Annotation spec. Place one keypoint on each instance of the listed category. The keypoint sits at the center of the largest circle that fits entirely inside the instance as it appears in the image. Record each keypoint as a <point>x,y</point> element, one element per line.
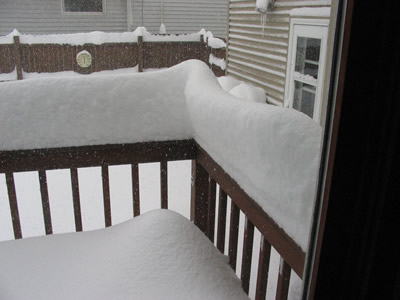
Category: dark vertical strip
<point>17,58</point>
<point>233,235</point>
<point>212,189</point>
<point>106,195</point>
<point>45,202</point>
<point>140,54</point>
<point>76,199</point>
<point>164,184</point>
<point>135,190</point>
<point>263,268</point>
<point>282,288</point>
<point>12,197</point>
<point>221,220</point>
<point>247,254</point>
<point>199,202</point>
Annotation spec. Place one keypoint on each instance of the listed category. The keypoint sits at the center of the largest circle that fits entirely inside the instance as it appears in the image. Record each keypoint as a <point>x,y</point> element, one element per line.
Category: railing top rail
<point>89,156</point>
<point>276,236</point>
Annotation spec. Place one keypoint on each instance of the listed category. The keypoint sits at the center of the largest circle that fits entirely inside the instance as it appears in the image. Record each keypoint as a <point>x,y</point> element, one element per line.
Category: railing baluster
<point>263,268</point>
<point>135,190</point>
<point>221,220</point>
<point>76,199</point>
<point>45,201</point>
<point>12,197</point>
<point>282,288</point>
<point>233,235</point>
<point>212,188</point>
<point>247,254</point>
<point>164,184</point>
<point>106,195</point>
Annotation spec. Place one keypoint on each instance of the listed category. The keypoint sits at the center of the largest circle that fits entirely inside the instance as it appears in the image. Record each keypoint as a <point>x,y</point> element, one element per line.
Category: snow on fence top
<point>99,38</point>
<point>272,152</point>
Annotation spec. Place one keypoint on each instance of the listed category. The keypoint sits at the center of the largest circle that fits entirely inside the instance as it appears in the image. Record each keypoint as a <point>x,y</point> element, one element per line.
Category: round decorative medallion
<point>84,59</point>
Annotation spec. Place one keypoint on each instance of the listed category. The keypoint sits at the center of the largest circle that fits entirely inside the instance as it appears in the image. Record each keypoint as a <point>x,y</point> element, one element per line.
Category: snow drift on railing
<point>272,152</point>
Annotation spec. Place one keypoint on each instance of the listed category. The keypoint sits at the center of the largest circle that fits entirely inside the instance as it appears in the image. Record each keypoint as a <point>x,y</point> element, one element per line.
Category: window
<point>83,6</point>
<point>306,66</point>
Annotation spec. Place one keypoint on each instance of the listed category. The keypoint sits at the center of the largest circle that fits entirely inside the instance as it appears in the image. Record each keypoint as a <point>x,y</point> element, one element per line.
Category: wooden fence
<point>49,58</point>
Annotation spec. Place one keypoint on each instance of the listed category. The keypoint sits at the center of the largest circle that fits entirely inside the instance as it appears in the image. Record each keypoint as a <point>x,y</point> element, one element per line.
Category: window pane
<point>307,56</point>
<point>304,98</point>
<point>83,5</point>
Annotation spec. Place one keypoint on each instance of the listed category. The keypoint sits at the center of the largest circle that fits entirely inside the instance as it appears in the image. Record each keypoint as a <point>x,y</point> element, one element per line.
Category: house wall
<point>45,16</point>
<point>260,56</point>
<point>180,16</point>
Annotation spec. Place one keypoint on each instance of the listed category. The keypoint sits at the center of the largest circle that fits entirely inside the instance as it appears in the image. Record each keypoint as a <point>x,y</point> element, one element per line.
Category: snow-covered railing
<point>206,175</point>
<point>244,148</point>
<point>23,53</point>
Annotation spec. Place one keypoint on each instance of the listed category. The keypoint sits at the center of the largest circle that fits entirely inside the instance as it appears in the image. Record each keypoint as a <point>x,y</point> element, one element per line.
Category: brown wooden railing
<point>49,58</point>
<point>207,175</point>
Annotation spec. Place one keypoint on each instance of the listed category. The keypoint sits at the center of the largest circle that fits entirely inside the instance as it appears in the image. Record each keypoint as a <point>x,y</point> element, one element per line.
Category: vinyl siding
<point>180,16</point>
<point>45,16</point>
<point>183,16</point>
<point>258,55</point>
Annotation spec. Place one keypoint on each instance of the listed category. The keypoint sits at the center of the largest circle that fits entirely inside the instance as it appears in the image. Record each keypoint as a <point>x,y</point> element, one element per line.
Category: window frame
<point>83,13</point>
<point>308,28</point>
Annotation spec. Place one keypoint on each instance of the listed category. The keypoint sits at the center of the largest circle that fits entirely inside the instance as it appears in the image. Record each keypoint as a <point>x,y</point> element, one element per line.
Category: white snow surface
<point>220,62</point>
<point>9,76</point>
<point>242,90</point>
<point>158,255</point>
<point>98,37</point>
<point>272,152</point>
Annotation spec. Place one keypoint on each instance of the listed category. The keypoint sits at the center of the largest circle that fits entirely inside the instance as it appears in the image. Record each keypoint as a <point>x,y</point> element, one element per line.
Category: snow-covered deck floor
<point>159,255</point>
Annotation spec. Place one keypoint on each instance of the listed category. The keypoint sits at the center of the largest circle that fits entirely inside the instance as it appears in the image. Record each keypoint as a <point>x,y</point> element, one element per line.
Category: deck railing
<point>206,176</point>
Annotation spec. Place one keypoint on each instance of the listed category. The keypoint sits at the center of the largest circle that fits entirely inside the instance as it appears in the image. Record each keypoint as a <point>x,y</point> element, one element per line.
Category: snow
<point>310,11</point>
<point>272,152</point>
<point>9,76</point>
<point>304,77</point>
<point>98,37</point>
<point>158,255</point>
<point>220,62</point>
<point>242,90</point>
<point>212,42</point>
<point>162,30</point>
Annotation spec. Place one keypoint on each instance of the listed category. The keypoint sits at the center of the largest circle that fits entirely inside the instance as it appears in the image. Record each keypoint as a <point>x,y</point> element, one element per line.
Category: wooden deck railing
<point>206,176</point>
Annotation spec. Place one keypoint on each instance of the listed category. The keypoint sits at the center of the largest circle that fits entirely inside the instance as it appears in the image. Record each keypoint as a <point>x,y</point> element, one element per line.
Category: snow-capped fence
<point>21,54</point>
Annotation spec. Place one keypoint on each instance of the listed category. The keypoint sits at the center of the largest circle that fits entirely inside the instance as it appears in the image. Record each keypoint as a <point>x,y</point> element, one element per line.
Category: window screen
<point>83,5</point>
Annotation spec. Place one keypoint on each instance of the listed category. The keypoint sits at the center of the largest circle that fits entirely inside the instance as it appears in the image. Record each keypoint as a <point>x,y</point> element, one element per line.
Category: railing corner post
<point>199,199</point>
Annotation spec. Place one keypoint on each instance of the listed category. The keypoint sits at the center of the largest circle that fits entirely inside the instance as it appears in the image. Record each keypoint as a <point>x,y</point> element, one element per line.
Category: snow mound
<point>272,152</point>
<point>242,90</point>
<point>158,255</point>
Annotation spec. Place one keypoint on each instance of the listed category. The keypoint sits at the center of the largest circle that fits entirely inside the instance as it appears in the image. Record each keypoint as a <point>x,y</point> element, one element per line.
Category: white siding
<point>182,16</point>
<point>45,16</point>
<point>261,57</point>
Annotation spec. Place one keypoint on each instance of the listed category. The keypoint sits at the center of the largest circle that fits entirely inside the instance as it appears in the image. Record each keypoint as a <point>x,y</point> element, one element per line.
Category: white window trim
<point>83,13</point>
<point>289,86</point>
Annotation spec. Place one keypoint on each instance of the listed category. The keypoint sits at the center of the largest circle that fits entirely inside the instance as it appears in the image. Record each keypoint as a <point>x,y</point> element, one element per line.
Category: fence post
<point>140,53</point>
<point>17,58</point>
